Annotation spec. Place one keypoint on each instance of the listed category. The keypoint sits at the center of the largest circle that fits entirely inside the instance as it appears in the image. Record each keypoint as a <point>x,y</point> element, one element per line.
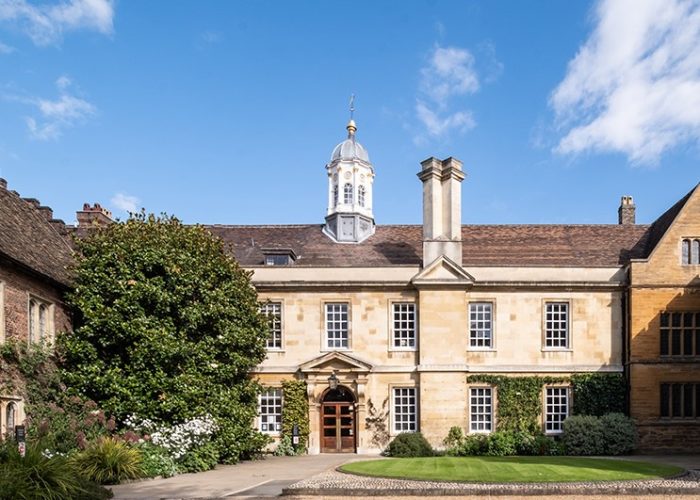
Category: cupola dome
<point>350,149</point>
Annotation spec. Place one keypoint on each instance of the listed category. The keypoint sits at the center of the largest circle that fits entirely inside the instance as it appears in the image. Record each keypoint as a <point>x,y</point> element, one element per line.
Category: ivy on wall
<point>598,394</point>
<point>295,410</point>
<point>520,398</point>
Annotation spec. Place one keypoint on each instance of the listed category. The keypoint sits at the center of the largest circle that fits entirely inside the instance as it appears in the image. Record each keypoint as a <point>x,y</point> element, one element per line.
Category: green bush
<point>156,461</point>
<point>471,445</point>
<point>409,444</point>
<point>38,476</point>
<point>502,444</point>
<point>454,438</point>
<point>619,434</point>
<point>598,393</point>
<point>201,458</point>
<point>109,461</point>
<point>583,435</point>
<point>285,448</point>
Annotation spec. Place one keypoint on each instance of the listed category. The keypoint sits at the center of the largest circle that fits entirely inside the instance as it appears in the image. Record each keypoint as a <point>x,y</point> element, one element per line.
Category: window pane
<point>557,324</point>
<point>337,326</point>
<point>480,324</point>
<point>405,414</point>
<point>665,400</point>
<point>556,408</point>
<point>270,410</point>
<point>676,400</point>
<point>664,342</point>
<point>688,342</point>
<point>688,400</point>
<point>685,246</point>
<point>273,310</point>
<point>404,325</point>
<point>480,417</point>
<point>676,342</point>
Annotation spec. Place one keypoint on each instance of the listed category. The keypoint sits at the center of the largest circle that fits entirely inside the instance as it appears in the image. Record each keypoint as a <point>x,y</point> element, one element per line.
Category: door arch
<point>338,431</point>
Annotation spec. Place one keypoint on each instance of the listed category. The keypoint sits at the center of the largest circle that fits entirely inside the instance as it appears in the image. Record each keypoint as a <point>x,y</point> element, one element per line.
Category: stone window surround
<point>693,331</point>
<point>270,388</point>
<point>5,400</point>
<point>569,322</point>
<point>480,300</point>
<point>323,326</point>
<point>569,401</point>
<point>281,302</point>
<point>2,312</point>
<point>392,410</point>
<point>690,255</point>
<point>50,311</point>
<point>494,395</point>
<point>390,316</point>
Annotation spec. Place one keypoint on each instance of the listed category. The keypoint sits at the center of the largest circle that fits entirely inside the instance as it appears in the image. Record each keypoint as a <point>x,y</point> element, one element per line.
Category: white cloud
<point>125,202</point>
<point>56,115</point>
<point>6,49</point>
<point>450,73</point>
<point>46,24</point>
<point>634,86</point>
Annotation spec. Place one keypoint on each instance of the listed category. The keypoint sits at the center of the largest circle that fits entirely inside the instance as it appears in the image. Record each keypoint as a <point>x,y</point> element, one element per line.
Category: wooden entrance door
<point>337,427</point>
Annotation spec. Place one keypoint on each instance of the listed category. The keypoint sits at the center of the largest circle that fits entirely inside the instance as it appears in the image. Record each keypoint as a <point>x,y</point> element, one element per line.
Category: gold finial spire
<point>352,128</point>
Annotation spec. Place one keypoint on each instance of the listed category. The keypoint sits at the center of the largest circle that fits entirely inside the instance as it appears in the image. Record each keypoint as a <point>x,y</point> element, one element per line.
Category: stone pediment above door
<point>335,361</point>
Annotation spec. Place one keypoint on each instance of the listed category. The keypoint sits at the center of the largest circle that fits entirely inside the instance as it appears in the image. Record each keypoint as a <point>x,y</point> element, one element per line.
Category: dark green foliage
<point>583,435</point>
<point>295,410</point>
<point>203,457</point>
<point>38,477</point>
<point>156,461</point>
<point>167,328</point>
<point>598,393</point>
<point>285,448</point>
<point>620,434</point>
<point>505,443</point>
<point>409,444</point>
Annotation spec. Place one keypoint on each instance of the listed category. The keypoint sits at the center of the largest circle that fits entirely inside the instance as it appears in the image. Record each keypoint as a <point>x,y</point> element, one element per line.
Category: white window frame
<point>348,194</point>
<point>361,195</point>
<point>337,329</point>
<point>482,398</point>
<point>553,408</point>
<point>480,330</point>
<point>403,332</point>
<point>556,325</point>
<point>274,415</point>
<point>276,323</point>
<point>410,424</point>
<point>34,307</point>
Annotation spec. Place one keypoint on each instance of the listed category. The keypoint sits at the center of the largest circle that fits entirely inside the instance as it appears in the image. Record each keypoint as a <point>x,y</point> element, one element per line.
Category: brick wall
<point>18,287</point>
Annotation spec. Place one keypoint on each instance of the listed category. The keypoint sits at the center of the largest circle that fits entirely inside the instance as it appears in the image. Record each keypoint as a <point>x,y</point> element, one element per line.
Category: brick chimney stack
<point>626,212</point>
<point>93,215</point>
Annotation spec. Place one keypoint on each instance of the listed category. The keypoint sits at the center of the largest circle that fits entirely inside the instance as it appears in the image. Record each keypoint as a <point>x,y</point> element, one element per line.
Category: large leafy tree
<point>167,327</point>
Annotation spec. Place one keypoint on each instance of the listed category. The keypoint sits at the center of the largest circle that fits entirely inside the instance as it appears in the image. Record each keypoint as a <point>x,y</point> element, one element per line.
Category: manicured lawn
<point>510,469</point>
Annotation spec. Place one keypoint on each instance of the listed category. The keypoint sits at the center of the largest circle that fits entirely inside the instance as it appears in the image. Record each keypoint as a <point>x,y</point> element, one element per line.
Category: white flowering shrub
<point>177,439</point>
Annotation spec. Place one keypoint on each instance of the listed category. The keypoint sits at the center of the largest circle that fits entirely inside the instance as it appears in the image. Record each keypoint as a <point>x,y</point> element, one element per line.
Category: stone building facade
<point>387,324</point>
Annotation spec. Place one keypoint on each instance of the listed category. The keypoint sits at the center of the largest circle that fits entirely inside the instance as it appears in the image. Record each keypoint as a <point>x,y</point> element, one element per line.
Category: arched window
<point>695,252</point>
<point>347,194</point>
<point>335,195</point>
<point>361,196</point>
<point>43,325</point>
<point>10,417</point>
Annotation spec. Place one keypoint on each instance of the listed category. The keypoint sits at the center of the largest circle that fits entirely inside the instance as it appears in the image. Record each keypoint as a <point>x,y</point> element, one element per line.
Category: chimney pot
<point>93,215</point>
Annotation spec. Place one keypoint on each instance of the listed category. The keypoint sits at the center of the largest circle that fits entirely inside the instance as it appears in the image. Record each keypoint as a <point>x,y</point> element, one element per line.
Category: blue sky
<point>226,112</point>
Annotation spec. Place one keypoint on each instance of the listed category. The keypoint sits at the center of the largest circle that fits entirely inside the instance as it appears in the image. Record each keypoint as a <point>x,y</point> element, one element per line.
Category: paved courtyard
<point>267,478</point>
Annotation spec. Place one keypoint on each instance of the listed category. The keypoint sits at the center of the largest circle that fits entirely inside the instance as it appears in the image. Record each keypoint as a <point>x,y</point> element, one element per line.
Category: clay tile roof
<point>30,239</point>
<point>484,245</point>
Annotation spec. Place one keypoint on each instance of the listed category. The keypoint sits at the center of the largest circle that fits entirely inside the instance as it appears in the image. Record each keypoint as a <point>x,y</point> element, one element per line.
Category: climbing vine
<point>520,398</point>
<point>295,410</point>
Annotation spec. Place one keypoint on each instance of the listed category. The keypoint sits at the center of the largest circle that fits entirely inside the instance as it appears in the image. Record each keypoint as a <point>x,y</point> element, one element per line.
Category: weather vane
<point>352,106</point>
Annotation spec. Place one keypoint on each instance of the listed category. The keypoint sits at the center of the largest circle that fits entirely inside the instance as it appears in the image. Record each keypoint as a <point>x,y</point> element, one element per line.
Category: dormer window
<point>690,251</point>
<point>279,256</point>
<point>347,194</point>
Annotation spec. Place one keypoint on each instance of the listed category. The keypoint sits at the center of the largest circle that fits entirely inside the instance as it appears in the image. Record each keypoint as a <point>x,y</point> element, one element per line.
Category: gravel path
<point>334,483</point>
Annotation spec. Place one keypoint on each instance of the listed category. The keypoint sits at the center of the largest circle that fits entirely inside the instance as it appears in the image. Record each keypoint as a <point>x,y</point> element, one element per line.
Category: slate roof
<point>661,225</point>
<point>483,245</point>
<point>29,238</point>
